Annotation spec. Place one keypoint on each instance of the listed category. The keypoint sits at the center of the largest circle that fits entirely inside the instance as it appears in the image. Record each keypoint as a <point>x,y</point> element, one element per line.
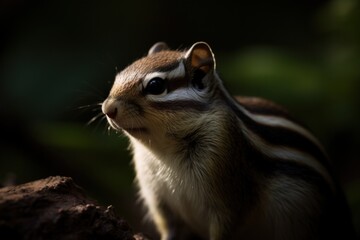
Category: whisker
<point>95,105</point>
<point>109,130</point>
<point>93,119</point>
<point>101,122</point>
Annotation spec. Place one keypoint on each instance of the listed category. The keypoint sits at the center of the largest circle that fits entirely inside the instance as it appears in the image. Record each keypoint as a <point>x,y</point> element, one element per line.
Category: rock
<point>56,208</point>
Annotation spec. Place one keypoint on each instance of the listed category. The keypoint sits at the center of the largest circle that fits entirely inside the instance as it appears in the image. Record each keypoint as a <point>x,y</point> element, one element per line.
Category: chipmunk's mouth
<point>130,129</point>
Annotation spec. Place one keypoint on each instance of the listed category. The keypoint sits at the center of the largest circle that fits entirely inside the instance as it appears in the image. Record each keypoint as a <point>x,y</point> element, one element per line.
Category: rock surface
<point>56,208</point>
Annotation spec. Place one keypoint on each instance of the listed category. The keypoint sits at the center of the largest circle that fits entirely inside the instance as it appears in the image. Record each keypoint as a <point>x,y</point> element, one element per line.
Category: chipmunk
<point>213,166</point>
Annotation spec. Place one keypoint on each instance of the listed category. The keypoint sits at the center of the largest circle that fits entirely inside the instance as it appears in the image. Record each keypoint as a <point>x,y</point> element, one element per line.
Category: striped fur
<point>218,167</point>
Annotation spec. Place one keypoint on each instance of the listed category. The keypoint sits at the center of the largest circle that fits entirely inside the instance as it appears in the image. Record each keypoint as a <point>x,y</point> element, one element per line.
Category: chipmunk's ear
<point>158,47</point>
<point>200,61</point>
<point>200,56</point>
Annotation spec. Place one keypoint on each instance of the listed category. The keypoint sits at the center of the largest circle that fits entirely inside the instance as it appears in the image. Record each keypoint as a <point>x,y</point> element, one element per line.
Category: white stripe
<point>178,72</point>
<point>275,121</point>
<point>286,153</point>
<point>180,94</point>
<point>187,94</point>
<point>281,152</point>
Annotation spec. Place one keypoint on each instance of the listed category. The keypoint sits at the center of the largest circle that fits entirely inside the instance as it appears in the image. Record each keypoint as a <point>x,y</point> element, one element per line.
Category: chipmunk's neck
<point>212,136</point>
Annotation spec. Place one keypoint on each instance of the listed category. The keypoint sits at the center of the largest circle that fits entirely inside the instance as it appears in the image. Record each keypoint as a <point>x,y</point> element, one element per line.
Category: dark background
<point>58,60</point>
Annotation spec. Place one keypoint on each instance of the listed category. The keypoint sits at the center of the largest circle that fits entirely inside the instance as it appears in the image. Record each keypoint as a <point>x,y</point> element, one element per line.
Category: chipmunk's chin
<point>135,131</point>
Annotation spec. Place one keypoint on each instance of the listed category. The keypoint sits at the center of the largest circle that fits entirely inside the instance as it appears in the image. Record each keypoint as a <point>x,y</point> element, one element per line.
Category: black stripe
<point>274,167</point>
<point>168,67</point>
<point>282,136</point>
<point>180,105</point>
<point>333,203</point>
<point>177,83</point>
<point>297,171</point>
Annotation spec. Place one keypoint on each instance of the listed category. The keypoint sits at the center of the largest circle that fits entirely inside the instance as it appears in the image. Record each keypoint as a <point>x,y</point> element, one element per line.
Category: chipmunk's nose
<point>109,108</point>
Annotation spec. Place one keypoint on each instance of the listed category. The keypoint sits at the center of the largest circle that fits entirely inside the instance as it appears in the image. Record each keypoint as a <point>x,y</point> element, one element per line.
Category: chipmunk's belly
<point>189,203</point>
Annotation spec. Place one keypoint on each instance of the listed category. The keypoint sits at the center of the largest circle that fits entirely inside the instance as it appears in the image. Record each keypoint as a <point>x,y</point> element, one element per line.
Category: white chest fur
<point>167,182</point>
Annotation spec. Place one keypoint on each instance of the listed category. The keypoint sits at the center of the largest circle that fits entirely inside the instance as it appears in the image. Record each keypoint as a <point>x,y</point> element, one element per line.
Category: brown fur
<point>213,168</point>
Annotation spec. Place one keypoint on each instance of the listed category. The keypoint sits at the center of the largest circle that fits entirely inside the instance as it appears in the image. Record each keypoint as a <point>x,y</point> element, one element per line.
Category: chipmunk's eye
<point>156,86</point>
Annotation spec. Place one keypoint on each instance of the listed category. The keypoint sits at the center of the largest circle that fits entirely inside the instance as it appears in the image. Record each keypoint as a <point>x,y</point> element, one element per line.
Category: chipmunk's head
<point>162,91</point>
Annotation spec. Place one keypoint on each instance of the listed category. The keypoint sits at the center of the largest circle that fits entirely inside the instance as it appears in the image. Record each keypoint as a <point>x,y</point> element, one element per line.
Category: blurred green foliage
<point>59,59</point>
